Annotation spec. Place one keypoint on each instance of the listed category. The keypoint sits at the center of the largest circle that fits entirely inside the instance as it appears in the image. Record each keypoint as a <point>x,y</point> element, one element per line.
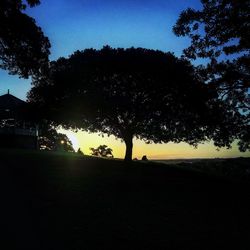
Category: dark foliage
<point>79,151</point>
<point>129,93</point>
<point>49,139</point>
<point>24,49</point>
<point>218,30</point>
<point>221,26</point>
<point>102,151</point>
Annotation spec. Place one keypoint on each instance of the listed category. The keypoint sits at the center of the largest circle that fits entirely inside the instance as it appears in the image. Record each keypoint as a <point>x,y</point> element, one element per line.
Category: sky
<point>78,24</point>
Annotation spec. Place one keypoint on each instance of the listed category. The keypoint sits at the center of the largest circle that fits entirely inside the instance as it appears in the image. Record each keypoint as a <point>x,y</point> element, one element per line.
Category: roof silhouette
<point>11,102</point>
<point>11,107</point>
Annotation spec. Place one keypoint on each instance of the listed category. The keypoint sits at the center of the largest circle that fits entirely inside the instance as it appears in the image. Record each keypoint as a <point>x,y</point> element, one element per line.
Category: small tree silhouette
<point>79,151</point>
<point>102,151</point>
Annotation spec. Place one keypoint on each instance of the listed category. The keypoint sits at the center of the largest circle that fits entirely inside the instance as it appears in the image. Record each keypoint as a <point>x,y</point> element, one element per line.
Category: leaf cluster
<point>102,151</point>
<point>50,139</point>
<point>221,26</point>
<point>24,49</point>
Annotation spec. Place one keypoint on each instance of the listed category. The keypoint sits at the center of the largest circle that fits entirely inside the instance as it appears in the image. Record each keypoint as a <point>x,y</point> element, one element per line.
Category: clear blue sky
<point>80,24</point>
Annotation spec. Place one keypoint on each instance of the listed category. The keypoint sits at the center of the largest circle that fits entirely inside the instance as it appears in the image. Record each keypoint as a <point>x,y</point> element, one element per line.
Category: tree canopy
<point>50,139</point>
<point>24,49</point>
<point>150,95</point>
<point>221,26</point>
<point>220,31</point>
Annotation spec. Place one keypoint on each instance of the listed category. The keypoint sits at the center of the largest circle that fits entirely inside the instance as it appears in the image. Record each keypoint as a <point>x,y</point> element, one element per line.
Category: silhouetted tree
<point>129,93</point>
<point>79,151</point>
<point>50,139</point>
<point>221,26</point>
<point>221,29</point>
<point>24,49</point>
<point>102,151</point>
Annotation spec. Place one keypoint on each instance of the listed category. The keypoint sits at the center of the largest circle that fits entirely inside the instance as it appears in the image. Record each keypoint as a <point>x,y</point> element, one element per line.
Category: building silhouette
<point>16,127</point>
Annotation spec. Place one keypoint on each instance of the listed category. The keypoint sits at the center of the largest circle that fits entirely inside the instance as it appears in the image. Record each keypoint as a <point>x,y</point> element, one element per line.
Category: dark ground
<point>53,201</point>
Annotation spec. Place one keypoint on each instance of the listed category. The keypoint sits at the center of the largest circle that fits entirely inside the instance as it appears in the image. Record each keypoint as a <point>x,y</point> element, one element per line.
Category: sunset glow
<point>85,140</point>
<point>77,25</point>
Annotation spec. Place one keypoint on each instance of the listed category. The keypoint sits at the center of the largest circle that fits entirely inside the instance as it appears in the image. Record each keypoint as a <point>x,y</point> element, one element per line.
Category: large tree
<point>220,32</point>
<point>150,95</point>
<point>24,49</point>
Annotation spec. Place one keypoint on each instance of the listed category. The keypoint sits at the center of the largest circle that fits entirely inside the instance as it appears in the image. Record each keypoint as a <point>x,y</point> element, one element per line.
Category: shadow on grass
<point>65,201</point>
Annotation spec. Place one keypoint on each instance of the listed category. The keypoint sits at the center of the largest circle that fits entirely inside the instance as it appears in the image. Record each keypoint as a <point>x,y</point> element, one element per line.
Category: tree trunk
<point>129,148</point>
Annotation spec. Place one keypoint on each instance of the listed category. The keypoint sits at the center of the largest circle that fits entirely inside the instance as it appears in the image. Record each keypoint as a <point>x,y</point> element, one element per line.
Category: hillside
<point>57,201</point>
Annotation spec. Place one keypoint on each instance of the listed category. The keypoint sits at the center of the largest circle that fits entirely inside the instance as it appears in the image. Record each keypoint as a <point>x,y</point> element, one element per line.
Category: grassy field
<point>63,201</point>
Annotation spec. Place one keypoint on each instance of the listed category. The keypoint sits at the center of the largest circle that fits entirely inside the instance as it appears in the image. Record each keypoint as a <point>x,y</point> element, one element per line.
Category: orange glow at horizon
<point>85,140</point>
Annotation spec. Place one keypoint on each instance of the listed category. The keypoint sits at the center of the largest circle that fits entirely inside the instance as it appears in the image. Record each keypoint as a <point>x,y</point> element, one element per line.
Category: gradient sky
<point>79,24</point>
